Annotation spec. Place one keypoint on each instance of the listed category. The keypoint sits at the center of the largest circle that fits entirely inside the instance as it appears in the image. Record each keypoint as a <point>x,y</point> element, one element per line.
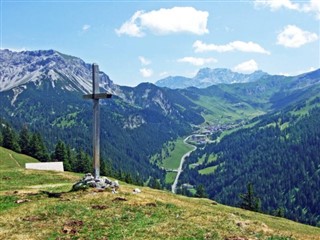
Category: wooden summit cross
<point>95,96</point>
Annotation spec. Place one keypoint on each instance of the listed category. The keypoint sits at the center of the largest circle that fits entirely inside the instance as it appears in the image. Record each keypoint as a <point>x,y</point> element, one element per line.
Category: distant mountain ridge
<point>20,68</point>
<point>207,77</point>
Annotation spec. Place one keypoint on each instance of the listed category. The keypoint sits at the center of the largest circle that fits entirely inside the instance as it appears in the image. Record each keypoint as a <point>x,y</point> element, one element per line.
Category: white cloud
<point>313,6</point>
<point>284,74</point>
<point>86,27</point>
<point>130,27</point>
<point>241,46</point>
<point>246,67</point>
<point>197,61</point>
<point>144,61</point>
<point>166,21</point>
<point>146,72</point>
<point>203,47</point>
<point>311,69</point>
<point>276,4</point>
<point>294,37</point>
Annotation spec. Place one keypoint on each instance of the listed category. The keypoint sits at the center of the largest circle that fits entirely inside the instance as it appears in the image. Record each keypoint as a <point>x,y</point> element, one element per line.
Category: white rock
<point>136,190</point>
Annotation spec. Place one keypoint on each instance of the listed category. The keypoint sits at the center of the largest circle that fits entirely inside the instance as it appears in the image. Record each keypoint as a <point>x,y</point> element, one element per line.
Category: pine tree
<point>10,139</point>
<point>68,164</point>
<point>279,212</point>
<point>128,178</point>
<point>38,149</point>
<point>24,140</point>
<point>87,164</point>
<point>249,200</point>
<point>83,163</point>
<point>154,183</point>
<point>7,137</point>
<point>105,169</point>
<point>200,191</point>
<point>60,155</point>
<point>120,174</point>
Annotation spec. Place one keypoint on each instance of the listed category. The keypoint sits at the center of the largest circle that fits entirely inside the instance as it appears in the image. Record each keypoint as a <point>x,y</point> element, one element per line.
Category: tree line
<point>74,160</point>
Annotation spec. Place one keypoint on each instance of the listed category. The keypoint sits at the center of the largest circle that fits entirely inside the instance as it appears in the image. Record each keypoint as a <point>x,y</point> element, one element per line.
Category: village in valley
<point>209,132</point>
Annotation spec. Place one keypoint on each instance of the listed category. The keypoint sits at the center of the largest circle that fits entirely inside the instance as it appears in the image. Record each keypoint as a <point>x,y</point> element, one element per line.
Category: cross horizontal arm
<point>97,96</point>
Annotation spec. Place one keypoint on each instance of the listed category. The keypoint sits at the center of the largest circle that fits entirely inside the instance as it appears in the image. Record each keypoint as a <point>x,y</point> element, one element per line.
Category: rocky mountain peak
<point>206,77</point>
<point>17,69</point>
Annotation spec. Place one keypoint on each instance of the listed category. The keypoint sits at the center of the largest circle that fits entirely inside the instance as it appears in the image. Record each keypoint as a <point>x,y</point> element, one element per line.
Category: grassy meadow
<point>26,212</point>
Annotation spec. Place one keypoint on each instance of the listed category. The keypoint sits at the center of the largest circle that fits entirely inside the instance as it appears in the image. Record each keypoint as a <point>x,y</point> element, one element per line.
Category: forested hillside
<point>279,155</point>
<point>128,124</point>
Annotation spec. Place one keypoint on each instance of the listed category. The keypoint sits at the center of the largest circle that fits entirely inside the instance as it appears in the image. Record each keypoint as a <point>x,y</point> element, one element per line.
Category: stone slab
<point>52,166</point>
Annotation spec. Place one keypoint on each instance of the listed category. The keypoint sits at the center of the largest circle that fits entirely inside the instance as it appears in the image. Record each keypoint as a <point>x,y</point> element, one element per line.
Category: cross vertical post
<point>96,121</point>
<point>95,96</point>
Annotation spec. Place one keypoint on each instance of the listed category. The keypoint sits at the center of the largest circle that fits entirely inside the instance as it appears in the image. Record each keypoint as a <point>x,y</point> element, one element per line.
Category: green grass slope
<point>13,176</point>
<point>11,159</point>
<point>151,214</point>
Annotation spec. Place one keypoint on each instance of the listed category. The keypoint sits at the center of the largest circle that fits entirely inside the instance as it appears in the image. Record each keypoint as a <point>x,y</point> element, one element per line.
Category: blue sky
<point>144,41</point>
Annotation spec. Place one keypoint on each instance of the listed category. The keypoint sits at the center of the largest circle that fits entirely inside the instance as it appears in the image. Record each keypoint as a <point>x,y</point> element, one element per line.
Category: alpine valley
<point>250,131</point>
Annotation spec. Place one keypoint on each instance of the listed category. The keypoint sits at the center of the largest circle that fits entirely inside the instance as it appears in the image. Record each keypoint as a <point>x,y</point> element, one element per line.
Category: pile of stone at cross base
<point>101,183</point>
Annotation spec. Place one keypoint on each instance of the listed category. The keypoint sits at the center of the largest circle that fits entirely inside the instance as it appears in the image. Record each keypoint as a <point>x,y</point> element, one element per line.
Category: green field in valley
<point>170,177</point>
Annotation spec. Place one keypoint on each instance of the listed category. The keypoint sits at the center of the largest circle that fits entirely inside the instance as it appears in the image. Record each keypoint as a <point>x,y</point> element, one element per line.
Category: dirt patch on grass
<point>72,227</point>
<point>99,207</point>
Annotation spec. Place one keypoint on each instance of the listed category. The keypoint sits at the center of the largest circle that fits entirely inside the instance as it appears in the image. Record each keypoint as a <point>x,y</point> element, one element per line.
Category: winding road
<point>179,170</point>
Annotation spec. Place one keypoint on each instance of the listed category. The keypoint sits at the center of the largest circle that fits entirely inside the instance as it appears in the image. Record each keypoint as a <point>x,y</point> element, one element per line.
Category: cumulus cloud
<point>294,37</point>
<point>144,61</point>
<point>86,27</point>
<point>199,46</point>
<point>313,6</point>
<point>130,27</point>
<point>166,21</point>
<point>246,67</point>
<point>146,72</point>
<point>197,61</point>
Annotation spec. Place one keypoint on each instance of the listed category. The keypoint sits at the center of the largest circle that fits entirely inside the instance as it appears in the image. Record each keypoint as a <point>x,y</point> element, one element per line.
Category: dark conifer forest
<point>279,156</point>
